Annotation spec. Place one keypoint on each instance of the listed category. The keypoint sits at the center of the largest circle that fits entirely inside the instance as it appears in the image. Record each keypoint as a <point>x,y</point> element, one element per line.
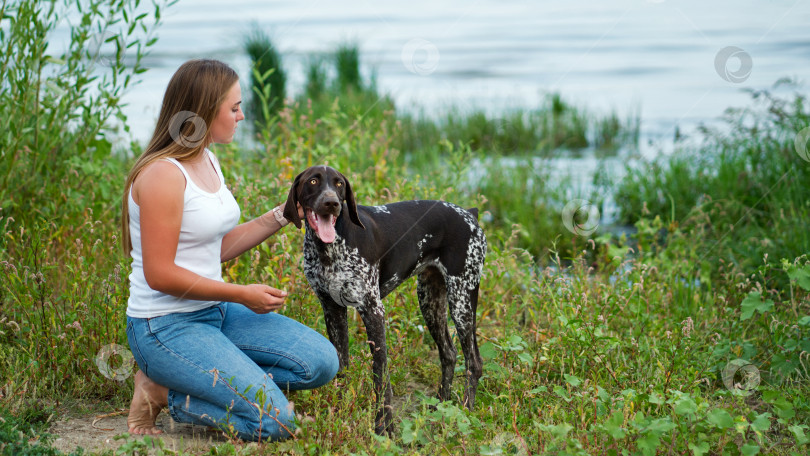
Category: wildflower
<point>688,327</point>
<point>77,326</point>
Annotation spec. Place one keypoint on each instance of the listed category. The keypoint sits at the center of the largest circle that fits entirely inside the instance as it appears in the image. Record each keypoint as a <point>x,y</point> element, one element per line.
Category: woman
<point>210,351</point>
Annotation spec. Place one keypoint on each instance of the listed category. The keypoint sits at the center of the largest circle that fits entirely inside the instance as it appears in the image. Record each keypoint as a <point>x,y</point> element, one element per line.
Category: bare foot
<point>147,401</point>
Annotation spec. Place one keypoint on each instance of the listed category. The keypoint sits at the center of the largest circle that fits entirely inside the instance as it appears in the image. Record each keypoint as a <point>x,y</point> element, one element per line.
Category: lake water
<point>656,57</point>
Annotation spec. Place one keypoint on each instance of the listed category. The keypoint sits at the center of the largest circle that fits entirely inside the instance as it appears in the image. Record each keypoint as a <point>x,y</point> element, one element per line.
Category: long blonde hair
<point>191,103</point>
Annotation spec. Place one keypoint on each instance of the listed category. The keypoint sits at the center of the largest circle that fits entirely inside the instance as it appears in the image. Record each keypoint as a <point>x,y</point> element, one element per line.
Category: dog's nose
<point>331,203</point>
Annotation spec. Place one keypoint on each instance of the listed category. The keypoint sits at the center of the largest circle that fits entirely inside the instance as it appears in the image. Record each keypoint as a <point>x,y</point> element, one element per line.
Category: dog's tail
<point>473,211</point>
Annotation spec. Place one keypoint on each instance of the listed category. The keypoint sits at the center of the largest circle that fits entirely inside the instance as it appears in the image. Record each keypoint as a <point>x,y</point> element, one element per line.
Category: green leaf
<point>557,430</point>
<point>685,406</point>
<point>749,449</point>
<point>720,419</point>
<point>488,350</point>
<point>613,425</point>
<point>753,302</point>
<point>56,60</point>
<point>648,443</point>
<point>409,434</point>
<point>798,432</point>
<point>801,275</point>
<point>661,425</point>
<point>572,380</point>
<point>699,449</point>
<point>784,408</point>
<point>526,358</point>
<point>560,391</point>
<point>761,423</point>
<point>561,430</point>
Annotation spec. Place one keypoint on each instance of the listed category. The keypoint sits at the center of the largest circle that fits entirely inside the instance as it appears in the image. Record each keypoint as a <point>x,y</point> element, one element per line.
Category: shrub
<point>56,110</point>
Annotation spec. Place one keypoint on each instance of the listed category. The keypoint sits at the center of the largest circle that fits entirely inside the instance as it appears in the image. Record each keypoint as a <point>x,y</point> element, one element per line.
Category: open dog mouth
<point>323,225</point>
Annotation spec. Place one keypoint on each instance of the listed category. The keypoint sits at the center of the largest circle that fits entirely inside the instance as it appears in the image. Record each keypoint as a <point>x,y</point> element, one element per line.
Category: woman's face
<point>230,113</point>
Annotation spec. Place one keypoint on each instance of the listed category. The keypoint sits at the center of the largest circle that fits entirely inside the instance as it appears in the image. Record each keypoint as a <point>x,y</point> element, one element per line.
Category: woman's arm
<point>158,190</point>
<point>250,234</point>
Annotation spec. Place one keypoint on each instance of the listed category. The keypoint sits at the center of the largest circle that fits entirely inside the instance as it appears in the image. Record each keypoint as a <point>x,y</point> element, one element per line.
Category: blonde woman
<point>208,350</point>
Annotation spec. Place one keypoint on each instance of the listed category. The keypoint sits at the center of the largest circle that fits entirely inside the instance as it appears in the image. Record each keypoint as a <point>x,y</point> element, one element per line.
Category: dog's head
<point>321,190</point>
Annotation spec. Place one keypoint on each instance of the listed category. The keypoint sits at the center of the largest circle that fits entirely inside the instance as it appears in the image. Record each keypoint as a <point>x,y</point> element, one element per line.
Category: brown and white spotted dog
<point>355,255</point>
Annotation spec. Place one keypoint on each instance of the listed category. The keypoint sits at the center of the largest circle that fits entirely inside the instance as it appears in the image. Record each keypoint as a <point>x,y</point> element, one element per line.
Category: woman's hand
<point>263,299</point>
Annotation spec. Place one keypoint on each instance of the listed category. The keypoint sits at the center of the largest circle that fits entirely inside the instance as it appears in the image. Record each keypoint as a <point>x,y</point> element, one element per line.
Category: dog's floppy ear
<point>291,206</point>
<point>352,205</point>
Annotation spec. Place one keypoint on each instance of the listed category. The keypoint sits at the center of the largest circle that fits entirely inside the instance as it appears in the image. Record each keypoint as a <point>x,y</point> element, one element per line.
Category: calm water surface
<point>654,57</point>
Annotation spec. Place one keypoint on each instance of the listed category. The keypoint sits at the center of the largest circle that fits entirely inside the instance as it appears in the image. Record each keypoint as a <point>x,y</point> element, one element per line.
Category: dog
<point>354,256</point>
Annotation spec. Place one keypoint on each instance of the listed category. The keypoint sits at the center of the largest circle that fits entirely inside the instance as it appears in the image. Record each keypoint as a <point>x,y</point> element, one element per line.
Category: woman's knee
<point>324,368</point>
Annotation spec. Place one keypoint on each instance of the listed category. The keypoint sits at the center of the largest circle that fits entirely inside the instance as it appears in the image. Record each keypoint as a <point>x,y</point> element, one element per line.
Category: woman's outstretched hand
<point>263,299</point>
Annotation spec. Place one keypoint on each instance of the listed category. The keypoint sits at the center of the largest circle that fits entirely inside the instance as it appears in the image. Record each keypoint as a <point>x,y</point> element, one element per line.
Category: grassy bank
<point>678,339</point>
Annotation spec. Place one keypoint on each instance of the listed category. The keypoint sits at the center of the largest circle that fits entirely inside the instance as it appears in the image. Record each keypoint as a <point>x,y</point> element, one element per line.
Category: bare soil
<point>96,433</point>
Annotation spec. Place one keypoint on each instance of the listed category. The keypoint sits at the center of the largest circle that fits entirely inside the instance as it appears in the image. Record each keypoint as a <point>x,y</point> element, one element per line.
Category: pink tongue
<point>325,227</point>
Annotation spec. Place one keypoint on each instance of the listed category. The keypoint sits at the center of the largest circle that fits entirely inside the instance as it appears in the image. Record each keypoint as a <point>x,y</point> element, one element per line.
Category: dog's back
<point>405,237</point>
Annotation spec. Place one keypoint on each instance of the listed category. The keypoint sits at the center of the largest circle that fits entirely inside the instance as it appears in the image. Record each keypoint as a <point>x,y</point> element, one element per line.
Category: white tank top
<point>207,217</point>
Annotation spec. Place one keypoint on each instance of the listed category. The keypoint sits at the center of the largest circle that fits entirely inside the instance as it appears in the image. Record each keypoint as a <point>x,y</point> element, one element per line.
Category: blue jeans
<point>221,362</point>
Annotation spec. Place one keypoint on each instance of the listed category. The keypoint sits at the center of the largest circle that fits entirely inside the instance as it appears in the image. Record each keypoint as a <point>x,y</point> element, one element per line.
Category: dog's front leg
<point>373,315</point>
<point>337,327</point>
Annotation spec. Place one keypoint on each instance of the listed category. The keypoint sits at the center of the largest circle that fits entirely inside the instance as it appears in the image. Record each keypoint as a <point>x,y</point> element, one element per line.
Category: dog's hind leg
<point>432,293</point>
<point>463,303</point>
<point>373,315</point>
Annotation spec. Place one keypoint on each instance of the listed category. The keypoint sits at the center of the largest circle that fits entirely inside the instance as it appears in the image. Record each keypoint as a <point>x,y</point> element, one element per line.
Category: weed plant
<point>747,176</point>
<point>268,80</point>
<point>660,343</point>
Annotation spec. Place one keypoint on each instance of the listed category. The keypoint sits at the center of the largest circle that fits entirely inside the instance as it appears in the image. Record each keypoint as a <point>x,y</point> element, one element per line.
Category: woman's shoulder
<point>162,169</point>
<point>160,176</point>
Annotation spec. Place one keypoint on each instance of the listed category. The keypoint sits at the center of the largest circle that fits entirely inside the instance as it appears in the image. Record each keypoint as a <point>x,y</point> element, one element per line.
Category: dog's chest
<point>341,272</point>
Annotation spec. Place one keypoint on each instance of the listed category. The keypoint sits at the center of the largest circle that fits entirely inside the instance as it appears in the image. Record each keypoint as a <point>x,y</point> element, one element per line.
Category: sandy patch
<point>97,433</point>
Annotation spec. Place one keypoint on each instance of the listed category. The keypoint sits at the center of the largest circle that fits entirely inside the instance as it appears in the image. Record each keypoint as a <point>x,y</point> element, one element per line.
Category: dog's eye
<point>339,184</point>
<point>313,181</point>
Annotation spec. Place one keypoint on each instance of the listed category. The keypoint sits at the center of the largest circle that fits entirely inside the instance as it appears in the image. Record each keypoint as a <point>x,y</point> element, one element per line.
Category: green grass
<point>591,345</point>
